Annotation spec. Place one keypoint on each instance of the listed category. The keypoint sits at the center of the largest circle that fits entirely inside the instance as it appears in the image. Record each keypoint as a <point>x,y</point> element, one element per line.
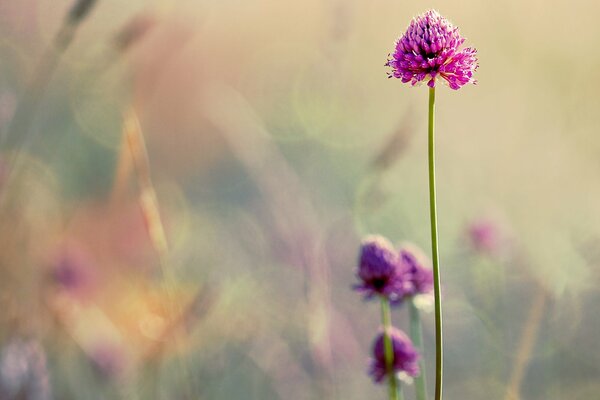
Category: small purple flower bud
<point>429,49</point>
<point>379,270</point>
<point>405,359</point>
<point>418,267</point>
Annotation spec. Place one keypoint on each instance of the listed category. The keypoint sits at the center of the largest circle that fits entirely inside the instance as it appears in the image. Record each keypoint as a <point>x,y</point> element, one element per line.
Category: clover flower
<point>405,359</point>
<point>430,49</point>
<point>380,270</point>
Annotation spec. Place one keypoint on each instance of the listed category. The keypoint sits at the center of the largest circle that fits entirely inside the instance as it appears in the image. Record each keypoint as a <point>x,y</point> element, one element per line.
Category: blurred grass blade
<point>80,10</point>
<point>18,131</point>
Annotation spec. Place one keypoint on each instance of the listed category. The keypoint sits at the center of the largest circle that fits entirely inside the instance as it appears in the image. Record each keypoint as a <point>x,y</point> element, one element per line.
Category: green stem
<point>386,318</point>
<point>434,251</point>
<point>416,335</point>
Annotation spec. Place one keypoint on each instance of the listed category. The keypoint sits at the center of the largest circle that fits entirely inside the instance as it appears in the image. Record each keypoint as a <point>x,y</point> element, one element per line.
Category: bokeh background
<point>275,142</point>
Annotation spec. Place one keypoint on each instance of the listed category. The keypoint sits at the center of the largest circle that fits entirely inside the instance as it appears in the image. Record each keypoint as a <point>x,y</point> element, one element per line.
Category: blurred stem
<point>18,132</point>
<point>526,344</point>
<point>386,318</point>
<point>148,201</point>
<point>416,335</point>
<point>122,172</point>
<point>434,250</point>
<point>134,138</point>
<point>20,125</point>
<point>400,393</point>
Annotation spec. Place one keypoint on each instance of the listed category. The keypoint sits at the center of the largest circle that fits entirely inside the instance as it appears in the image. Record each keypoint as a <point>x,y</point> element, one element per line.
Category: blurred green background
<point>275,143</point>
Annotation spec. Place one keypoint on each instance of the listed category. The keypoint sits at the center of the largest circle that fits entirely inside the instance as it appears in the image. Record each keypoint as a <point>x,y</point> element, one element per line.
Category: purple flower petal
<point>405,358</point>
<point>429,49</point>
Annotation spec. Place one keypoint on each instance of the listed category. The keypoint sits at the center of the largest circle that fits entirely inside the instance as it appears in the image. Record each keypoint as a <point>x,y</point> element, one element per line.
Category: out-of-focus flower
<point>380,270</point>
<point>419,272</point>
<point>72,271</point>
<point>429,49</point>
<point>405,360</point>
<point>484,236</point>
<point>23,371</point>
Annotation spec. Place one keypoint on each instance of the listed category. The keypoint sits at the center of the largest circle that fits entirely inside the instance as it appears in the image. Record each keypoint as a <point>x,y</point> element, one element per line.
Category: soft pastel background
<point>276,142</point>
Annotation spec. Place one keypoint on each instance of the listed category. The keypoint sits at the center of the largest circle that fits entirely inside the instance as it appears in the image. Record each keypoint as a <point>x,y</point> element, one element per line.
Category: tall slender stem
<point>434,251</point>
<point>416,335</point>
<point>386,318</point>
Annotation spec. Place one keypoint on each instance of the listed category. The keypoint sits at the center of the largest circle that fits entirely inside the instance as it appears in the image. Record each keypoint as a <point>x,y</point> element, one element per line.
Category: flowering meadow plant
<point>396,276</point>
<point>405,356</point>
<point>428,51</point>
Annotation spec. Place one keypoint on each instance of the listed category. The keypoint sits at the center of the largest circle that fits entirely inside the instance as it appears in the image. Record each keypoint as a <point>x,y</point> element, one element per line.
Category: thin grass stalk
<point>526,344</point>
<point>18,131</point>
<point>149,204</point>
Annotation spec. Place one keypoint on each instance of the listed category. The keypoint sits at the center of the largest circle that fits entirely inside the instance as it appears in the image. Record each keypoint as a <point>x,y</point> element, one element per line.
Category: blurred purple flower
<point>429,49</point>
<point>71,271</point>
<point>380,270</point>
<point>417,265</point>
<point>23,371</point>
<point>484,236</point>
<point>405,359</point>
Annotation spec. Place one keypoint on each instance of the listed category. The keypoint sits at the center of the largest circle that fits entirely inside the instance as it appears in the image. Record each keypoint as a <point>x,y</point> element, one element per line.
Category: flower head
<point>380,270</point>
<point>429,49</point>
<point>405,359</point>
<point>417,265</point>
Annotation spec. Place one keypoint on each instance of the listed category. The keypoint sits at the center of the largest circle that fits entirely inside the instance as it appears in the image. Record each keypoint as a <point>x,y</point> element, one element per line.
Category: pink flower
<point>380,271</point>
<point>418,266</point>
<point>485,236</point>
<point>429,50</point>
<point>405,356</point>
